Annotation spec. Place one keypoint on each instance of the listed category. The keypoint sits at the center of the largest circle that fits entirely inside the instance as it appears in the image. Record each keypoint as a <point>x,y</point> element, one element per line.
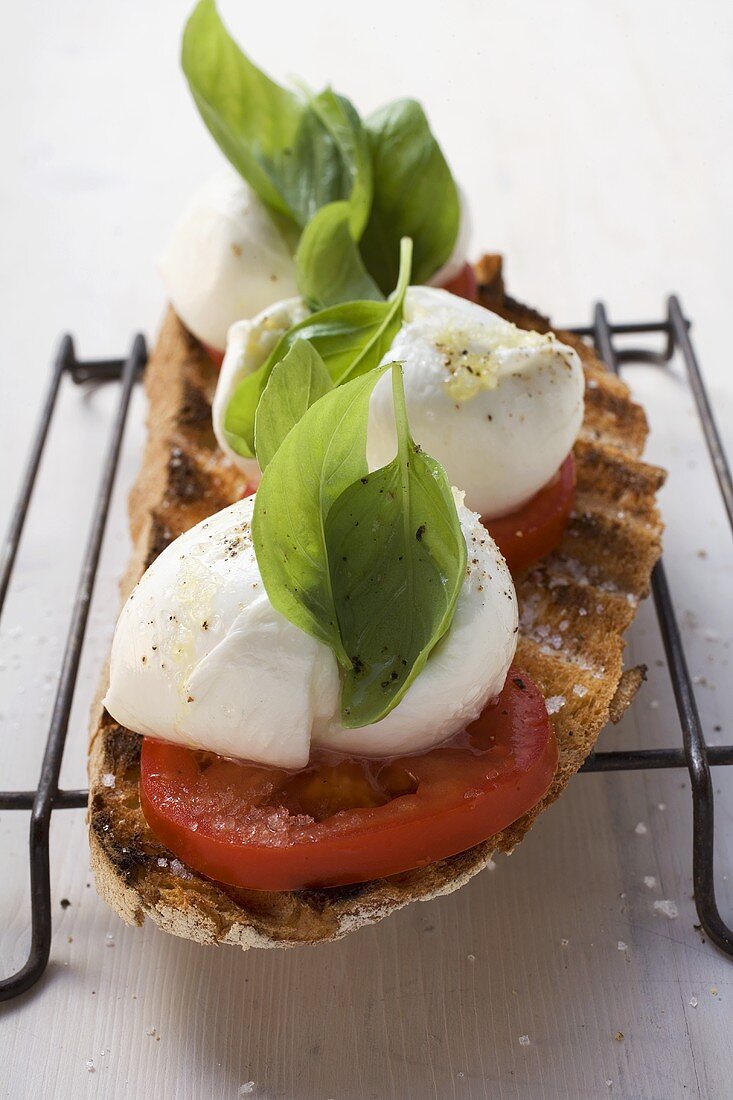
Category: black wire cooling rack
<point>693,753</point>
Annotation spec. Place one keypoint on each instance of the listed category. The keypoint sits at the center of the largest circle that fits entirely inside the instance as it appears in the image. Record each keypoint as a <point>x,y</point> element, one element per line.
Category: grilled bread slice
<point>574,608</point>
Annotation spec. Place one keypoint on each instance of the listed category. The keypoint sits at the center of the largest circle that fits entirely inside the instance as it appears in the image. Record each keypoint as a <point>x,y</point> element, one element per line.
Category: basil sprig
<point>351,339</point>
<point>303,152</point>
<point>370,564</point>
<point>296,154</point>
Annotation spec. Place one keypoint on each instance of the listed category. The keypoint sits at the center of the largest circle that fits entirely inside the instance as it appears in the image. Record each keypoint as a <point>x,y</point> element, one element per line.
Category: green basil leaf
<point>342,121</point>
<point>295,384</point>
<point>277,141</point>
<point>322,454</point>
<point>398,559</point>
<point>351,338</point>
<point>338,334</point>
<point>414,195</point>
<point>329,265</point>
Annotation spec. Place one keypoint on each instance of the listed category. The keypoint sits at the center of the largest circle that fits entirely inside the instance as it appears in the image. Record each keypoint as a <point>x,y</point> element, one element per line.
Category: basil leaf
<point>277,141</point>
<point>321,455</point>
<point>414,195</point>
<point>295,384</point>
<point>342,121</point>
<point>351,338</point>
<point>398,559</point>
<point>329,265</point>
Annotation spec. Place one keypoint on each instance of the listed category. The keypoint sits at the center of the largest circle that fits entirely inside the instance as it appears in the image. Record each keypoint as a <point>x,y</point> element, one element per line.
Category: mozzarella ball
<point>201,658</point>
<point>228,258</point>
<point>248,346</point>
<point>498,406</point>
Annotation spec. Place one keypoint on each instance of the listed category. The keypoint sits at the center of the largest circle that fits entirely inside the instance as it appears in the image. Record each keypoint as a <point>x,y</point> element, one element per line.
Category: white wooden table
<point>594,142</point>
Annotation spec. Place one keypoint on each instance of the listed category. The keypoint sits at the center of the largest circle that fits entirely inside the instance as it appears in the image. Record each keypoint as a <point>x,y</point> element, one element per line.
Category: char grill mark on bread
<point>574,607</point>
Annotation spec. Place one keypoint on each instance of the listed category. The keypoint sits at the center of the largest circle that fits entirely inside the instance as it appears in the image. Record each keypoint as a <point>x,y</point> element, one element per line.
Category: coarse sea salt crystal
<point>622,946</point>
<point>555,703</point>
<point>564,943</point>
<point>524,1040</point>
<point>580,690</point>
<point>692,1002</point>
<point>108,779</point>
<point>650,881</point>
<point>640,829</point>
<point>179,869</point>
<point>89,1065</point>
<point>247,1088</point>
<point>669,908</point>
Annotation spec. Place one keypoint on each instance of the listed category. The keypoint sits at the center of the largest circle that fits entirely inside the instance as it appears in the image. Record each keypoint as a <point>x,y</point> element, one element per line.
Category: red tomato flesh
<point>216,356</point>
<point>463,284</point>
<point>537,527</point>
<point>345,820</point>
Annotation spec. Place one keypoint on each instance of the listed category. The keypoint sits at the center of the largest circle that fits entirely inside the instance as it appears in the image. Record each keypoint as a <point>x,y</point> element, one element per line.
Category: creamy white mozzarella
<point>200,657</point>
<point>499,407</point>
<point>227,259</point>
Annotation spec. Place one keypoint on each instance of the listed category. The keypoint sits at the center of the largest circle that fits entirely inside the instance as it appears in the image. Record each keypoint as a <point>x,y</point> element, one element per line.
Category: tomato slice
<point>463,284</point>
<point>346,819</point>
<point>537,527</point>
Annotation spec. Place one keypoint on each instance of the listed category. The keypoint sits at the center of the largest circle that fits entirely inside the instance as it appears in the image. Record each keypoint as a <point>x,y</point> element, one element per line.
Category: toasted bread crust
<point>574,609</point>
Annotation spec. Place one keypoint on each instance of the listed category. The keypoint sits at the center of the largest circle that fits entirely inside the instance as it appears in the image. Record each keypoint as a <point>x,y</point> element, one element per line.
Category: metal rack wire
<point>694,753</point>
